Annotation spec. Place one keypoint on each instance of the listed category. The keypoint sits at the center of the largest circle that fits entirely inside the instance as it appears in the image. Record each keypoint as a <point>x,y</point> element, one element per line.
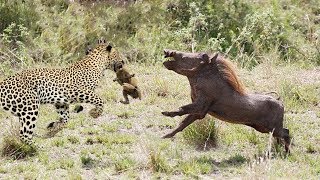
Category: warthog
<point>216,90</point>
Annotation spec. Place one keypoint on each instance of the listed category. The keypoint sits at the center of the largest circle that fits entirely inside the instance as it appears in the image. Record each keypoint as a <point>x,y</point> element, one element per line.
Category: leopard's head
<point>105,53</point>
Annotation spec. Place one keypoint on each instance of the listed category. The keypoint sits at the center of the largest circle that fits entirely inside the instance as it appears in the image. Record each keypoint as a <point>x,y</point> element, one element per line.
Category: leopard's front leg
<point>88,96</point>
<point>63,111</point>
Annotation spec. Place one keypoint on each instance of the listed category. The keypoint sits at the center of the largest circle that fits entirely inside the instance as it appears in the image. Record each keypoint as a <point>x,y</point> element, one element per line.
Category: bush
<point>202,133</point>
<point>238,27</point>
<point>18,12</point>
<point>242,29</point>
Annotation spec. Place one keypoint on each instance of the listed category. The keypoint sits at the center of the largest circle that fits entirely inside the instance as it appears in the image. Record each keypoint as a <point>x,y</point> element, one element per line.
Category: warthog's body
<point>216,90</point>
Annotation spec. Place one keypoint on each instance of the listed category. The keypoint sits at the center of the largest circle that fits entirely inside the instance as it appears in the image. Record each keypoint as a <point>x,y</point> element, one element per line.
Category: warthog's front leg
<point>186,122</point>
<point>199,107</point>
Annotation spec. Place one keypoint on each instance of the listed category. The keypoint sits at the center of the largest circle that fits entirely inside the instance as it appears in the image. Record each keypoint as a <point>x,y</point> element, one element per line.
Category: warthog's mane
<point>228,73</point>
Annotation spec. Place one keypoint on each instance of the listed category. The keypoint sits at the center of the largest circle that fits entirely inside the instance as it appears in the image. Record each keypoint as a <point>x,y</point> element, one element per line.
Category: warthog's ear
<point>214,57</point>
<point>169,53</point>
<point>205,58</point>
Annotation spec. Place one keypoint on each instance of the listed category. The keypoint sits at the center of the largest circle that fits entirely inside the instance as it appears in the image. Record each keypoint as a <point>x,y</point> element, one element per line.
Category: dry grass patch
<point>14,148</point>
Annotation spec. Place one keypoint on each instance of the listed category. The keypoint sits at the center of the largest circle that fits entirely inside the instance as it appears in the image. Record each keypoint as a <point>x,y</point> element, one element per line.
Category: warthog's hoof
<point>166,113</point>
<point>167,136</point>
<point>124,102</point>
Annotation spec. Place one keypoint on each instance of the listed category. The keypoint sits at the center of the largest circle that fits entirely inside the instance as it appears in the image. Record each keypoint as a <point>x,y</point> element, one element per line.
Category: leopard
<point>23,93</point>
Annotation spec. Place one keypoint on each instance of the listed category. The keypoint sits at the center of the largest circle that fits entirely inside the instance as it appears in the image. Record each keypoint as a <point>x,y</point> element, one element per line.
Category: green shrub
<point>242,29</point>
<point>18,12</point>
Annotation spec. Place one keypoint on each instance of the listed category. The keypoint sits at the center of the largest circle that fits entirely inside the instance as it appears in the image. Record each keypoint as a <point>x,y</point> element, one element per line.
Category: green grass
<point>130,146</point>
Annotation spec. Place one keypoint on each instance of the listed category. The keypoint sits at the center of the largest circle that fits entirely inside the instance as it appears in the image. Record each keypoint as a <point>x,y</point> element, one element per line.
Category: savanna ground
<point>275,45</point>
<point>125,142</point>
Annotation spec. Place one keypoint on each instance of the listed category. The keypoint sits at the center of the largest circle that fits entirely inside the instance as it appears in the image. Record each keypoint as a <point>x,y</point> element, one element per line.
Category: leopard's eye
<point>109,47</point>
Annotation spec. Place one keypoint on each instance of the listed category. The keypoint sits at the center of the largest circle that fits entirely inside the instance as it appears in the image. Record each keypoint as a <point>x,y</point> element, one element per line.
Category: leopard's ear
<point>109,47</point>
<point>88,50</point>
<point>102,41</point>
<point>115,67</point>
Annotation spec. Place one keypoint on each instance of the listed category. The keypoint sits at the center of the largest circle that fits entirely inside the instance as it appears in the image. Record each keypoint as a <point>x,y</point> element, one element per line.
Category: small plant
<point>13,147</point>
<point>91,131</point>
<point>66,163</point>
<point>90,141</point>
<point>202,133</point>
<point>115,139</point>
<point>59,142</point>
<point>125,114</point>
<point>75,176</point>
<point>311,149</point>
<point>162,88</point>
<point>298,97</point>
<point>253,137</point>
<point>158,163</point>
<point>236,160</point>
<point>87,160</point>
<point>123,163</point>
<point>3,170</point>
<point>73,139</point>
<point>110,127</point>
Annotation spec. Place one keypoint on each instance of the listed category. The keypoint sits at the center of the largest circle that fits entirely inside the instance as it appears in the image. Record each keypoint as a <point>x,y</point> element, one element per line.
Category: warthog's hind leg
<point>287,139</point>
<point>283,134</point>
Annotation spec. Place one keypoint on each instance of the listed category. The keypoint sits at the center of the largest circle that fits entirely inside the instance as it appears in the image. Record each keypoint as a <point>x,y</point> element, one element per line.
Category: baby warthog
<point>128,82</point>
<point>216,90</point>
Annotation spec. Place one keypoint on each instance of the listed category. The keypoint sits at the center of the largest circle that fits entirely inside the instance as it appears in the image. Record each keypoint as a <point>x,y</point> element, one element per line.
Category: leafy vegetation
<point>57,31</point>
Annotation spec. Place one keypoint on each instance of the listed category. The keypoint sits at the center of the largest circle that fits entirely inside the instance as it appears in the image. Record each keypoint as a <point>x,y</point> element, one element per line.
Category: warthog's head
<point>187,64</point>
